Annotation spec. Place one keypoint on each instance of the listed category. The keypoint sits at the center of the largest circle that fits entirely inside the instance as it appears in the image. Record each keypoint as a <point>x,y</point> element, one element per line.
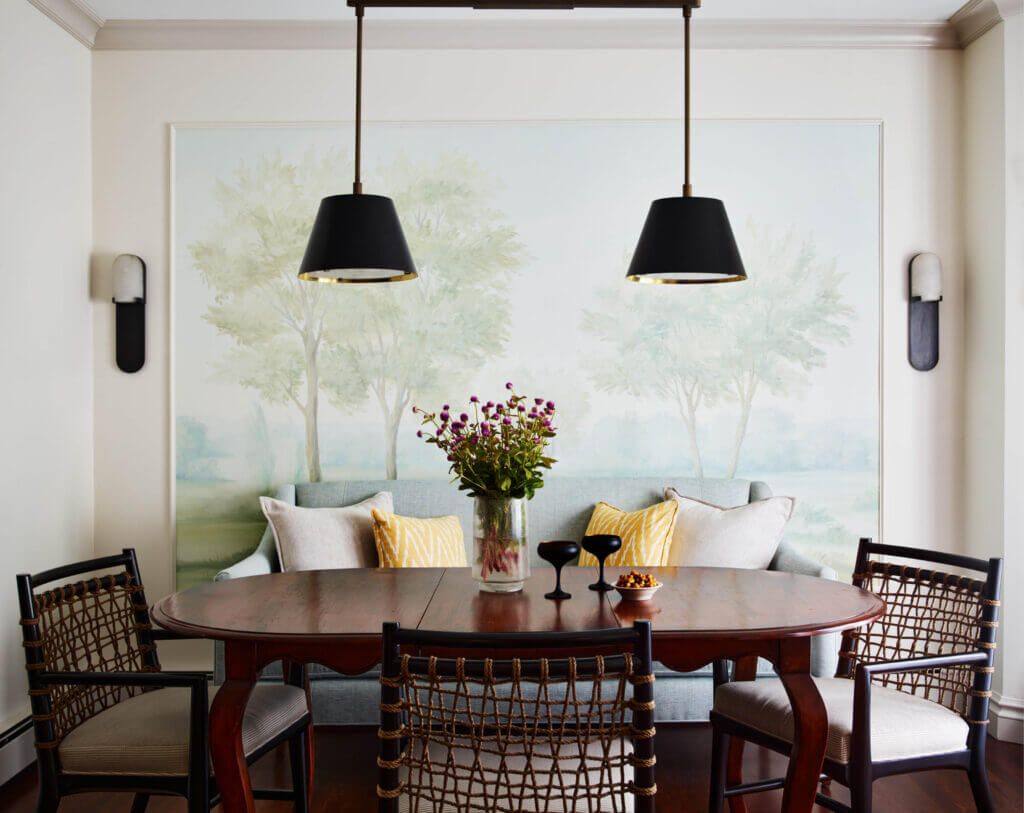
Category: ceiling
<point>875,10</point>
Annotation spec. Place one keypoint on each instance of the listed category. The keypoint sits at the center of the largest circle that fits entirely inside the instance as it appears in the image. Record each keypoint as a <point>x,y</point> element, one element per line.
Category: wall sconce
<point>129,300</point>
<point>925,296</point>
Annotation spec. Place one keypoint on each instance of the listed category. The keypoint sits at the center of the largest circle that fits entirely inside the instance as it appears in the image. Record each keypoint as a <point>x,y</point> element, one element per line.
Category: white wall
<point>46,460</point>
<point>916,93</point>
<point>994,299</point>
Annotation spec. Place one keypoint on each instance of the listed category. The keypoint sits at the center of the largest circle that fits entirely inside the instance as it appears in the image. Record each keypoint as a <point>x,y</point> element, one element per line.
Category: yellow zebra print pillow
<point>646,535</point>
<point>410,542</point>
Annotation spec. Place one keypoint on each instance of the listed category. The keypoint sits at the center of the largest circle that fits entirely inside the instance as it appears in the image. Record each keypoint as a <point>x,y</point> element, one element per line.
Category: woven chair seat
<point>573,787</point>
<point>147,735</point>
<point>903,725</point>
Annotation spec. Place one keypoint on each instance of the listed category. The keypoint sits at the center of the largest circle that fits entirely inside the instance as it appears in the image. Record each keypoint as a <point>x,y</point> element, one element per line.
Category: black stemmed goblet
<point>559,554</point>
<point>601,546</point>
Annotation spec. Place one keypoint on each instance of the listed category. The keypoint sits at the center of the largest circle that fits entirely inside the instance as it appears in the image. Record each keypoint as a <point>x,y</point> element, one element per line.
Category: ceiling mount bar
<point>528,5</point>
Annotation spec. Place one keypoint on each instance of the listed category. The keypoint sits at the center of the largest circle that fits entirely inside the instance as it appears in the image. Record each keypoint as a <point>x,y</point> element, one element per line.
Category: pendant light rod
<point>687,189</point>
<point>357,185</point>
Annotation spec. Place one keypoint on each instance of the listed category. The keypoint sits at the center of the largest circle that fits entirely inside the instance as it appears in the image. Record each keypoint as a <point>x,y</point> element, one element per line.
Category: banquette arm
<point>263,560</point>
<point>824,648</point>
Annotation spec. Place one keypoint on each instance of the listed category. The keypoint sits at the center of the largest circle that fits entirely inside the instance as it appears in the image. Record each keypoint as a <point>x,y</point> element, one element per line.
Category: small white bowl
<point>637,593</point>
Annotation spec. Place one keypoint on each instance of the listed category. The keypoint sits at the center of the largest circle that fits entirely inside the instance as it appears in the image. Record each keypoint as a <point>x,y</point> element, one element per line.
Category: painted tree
<point>278,322</point>
<point>776,329</point>
<point>659,341</point>
<point>405,341</point>
<point>695,346</point>
<point>295,340</point>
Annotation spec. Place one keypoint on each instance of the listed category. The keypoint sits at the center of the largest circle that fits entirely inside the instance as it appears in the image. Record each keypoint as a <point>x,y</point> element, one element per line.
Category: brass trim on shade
<point>661,281</point>
<point>346,281</point>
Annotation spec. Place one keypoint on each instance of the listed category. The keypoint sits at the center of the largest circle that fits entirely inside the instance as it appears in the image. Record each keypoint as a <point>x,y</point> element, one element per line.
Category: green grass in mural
<point>217,524</point>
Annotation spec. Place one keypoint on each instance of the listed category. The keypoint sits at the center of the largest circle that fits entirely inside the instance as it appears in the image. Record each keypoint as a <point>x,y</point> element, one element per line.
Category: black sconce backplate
<point>923,349</point>
<point>130,330</point>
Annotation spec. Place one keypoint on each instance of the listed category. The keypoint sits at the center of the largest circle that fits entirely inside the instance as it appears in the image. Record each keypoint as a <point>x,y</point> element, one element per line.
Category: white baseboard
<point>17,752</point>
<point>1007,716</point>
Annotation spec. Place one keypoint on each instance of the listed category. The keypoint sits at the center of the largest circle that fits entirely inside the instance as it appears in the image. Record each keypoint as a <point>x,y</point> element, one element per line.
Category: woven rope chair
<point>101,703</point>
<point>508,734</point>
<point>911,691</point>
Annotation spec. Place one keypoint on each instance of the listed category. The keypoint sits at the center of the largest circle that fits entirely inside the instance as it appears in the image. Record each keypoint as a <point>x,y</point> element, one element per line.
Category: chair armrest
<point>199,702</point>
<point>918,664</point>
<point>153,680</point>
<point>861,745</point>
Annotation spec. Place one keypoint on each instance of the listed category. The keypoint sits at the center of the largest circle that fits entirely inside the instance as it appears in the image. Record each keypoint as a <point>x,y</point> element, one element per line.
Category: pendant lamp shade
<point>357,238</point>
<point>686,240</point>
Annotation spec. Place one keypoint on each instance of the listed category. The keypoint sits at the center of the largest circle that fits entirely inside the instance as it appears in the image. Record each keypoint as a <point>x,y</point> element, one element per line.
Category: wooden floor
<point>346,774</point>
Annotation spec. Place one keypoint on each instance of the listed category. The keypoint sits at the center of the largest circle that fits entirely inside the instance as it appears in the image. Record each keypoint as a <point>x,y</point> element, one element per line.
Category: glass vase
<point>501,556</point>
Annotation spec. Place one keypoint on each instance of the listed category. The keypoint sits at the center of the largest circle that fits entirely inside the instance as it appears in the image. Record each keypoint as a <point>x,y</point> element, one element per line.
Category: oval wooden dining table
<point>334,617</point>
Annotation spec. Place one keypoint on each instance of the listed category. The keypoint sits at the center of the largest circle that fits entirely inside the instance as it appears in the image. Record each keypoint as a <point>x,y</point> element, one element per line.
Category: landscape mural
<point>522,233</point>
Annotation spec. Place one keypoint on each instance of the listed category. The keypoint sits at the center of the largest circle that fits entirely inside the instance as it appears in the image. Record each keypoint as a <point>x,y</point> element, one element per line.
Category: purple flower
<point>473,399</point>
<point>419,434</point>
<point>445,416</point>
<point>508,386</point>
<point>440,431</point>
<point>506,421</point>
<point>457,425</point>
<point>415,410</point>
<point>546,423</point>
<point>485,429</point>
<point>538,401</point>
<point>464,417</point>
<point>550,405</point>
<point>521,408</point>
<point>536,441</point>
<point>489,405</point>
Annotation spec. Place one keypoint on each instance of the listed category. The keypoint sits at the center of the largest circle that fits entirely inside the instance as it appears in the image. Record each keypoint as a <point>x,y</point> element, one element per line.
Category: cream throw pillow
<point>325,538</point>
<point>709,536</point>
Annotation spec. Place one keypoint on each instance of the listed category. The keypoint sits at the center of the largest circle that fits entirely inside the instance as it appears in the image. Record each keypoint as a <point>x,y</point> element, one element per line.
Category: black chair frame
<point>198,787</point>
<point>502,647</point>
<point>861,771</point>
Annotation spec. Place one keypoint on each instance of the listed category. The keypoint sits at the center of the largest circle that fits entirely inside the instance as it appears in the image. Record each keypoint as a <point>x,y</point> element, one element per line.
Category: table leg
<point>746,669</point>
<point>810,726</point>
<point>226,715</point>
<point>297,675</point>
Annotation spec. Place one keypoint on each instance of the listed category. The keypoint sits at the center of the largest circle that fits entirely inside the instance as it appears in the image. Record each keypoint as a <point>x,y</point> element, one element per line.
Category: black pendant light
<point>357,237</point>
<point>686,240</point>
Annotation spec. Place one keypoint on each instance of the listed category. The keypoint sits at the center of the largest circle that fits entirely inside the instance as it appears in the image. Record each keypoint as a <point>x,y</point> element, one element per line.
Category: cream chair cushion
<point>147,735</point>
<point>902,725</point>
<point>511,788</point>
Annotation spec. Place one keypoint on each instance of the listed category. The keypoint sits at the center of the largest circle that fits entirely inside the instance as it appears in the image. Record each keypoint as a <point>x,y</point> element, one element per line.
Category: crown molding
<point>973,19</point>
<point>1009,8</point>
<point>76,17</point>
<point>120,35</point>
